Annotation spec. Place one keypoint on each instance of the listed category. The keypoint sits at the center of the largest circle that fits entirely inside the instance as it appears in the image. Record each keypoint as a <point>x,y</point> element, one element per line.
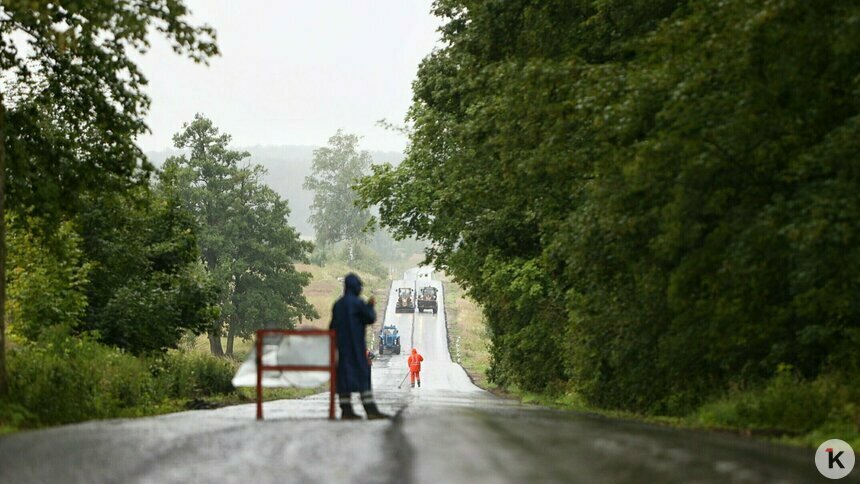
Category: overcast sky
<point>294,71</point>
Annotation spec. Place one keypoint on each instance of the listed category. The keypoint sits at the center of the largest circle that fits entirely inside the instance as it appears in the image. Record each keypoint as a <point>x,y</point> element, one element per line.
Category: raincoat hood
<point>352,284</point>
<point>414,351</point>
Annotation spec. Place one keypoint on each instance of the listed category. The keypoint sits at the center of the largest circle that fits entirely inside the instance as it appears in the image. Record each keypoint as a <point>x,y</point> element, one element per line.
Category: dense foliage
<point>105,271</point>
<point>72,102</point>
<point>653,201</point>
<point>147,286</point>
<point>48,278</point>
<point>74,95</point>
<point>246,243</point>
<point>127,270</point>
<point>64,378</point>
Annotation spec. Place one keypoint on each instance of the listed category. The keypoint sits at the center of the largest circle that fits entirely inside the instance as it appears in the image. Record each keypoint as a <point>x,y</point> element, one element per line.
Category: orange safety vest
<point>414,362</point>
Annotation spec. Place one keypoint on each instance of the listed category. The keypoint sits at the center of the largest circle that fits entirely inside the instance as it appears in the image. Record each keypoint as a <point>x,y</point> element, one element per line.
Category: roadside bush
<point>47,275</point>
<point>64,379</point>
<point>182,374</point>
<point>787,404</point>
<point>12,416</point>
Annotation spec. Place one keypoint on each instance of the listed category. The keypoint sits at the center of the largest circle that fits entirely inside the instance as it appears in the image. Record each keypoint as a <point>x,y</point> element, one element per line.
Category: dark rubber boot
<point>347,413</point>
<point>373,412</point>
<point>419,383</point>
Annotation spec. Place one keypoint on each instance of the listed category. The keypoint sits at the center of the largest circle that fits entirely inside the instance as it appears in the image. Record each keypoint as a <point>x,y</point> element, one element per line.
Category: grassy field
<point>322,292</point>
<point>466,327</point>
<point>325,288</point>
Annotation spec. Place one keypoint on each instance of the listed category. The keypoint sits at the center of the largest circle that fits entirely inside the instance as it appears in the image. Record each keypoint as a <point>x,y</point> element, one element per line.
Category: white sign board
<point>287,349</point>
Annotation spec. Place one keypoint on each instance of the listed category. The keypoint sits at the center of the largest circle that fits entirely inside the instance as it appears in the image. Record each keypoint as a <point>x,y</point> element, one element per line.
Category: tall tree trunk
<point>231,335</point>
<point>4,382</point>
<point>215,339</point>
<point>214,332</point>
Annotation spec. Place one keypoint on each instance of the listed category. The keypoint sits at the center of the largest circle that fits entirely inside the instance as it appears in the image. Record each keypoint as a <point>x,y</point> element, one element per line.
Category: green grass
<point>721,415</point>
<point>790,409</point>
<point>466,323</point>
<point>325,288</point>
<point>249,395</point>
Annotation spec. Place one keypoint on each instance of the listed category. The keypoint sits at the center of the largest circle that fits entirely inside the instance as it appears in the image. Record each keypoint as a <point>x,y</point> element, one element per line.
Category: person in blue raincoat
<point>349,318</point>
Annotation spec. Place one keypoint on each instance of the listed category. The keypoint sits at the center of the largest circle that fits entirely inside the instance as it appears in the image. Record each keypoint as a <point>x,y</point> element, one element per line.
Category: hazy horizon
<point>293,73</point>
<point>286,168</point>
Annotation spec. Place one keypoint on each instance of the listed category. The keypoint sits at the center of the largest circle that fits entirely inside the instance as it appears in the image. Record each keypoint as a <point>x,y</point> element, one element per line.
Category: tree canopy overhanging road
<point>448,430</point>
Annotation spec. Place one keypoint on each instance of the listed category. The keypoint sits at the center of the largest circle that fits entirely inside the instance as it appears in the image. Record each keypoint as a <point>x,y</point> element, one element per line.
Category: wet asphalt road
<point>447,431</point>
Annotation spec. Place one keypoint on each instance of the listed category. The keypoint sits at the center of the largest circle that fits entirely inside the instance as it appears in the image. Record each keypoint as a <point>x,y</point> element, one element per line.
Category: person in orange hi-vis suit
<point>414,362</point>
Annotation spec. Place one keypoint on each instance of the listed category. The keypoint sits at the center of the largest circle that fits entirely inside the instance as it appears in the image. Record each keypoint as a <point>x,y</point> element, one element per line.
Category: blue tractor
<point>389,340</point>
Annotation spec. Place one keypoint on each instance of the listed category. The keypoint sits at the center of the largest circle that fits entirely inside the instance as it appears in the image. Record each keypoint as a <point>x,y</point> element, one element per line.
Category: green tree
<point>650,199</point>
<point>334,213</point>
<point>147,286</point>
<point>74,102</point>
<point>245,240</point>
<point>267,289</point>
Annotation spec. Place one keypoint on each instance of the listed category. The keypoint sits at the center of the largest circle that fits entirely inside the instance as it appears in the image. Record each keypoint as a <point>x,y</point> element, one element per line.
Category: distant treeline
<point>656,202</point>
<point>286,168</point>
